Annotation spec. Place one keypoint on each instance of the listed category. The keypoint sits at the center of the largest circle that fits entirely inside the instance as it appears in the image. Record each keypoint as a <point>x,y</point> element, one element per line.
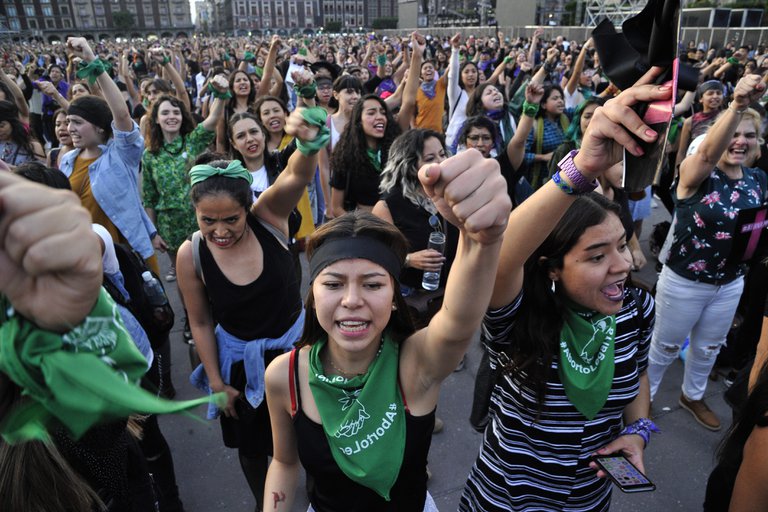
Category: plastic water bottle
<point>431,279</point>
<point>156,296</point>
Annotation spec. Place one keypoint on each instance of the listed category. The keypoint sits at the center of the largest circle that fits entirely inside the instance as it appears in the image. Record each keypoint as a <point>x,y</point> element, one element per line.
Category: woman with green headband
<point>238,270</point>
<point>355,404</point>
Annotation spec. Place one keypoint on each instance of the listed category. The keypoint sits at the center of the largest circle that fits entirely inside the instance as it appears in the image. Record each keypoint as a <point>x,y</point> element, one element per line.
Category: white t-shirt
<point>260,181</point>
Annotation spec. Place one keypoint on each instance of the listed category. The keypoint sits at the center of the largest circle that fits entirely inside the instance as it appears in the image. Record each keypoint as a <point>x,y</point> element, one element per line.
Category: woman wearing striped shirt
<point>570,340</point>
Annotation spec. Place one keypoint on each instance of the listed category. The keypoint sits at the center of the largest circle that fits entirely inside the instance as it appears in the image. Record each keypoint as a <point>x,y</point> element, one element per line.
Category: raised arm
<point>516,146</point>
<point>697,167</point>
<point>165,62</point>
<point>532,221</point>
<point>578,66</point>
<point>469,191</point>
<point>269,66</point>
<point>534,45</point>
<point>18,95</point>
<point>453,74</point>
<point>114,98</point>
<point>408,107</point>
<point>276,203</point>
<point>216,112</point>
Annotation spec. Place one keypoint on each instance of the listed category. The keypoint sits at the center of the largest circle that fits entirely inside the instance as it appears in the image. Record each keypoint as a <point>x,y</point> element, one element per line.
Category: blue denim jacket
<point>114,180</point>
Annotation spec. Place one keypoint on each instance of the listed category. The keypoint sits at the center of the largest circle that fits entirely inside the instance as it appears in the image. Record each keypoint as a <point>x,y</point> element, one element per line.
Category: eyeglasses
<point>479,138</point>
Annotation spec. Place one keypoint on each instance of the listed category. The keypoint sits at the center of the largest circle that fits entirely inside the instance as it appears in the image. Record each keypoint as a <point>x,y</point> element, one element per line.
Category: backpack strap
<point>196,238</point>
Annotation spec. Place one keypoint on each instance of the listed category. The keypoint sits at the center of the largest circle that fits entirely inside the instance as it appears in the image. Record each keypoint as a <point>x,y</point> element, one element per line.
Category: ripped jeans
<point>700,311</point>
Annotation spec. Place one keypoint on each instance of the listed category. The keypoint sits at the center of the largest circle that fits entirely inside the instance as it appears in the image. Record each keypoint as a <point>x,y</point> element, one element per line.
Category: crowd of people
<point>232,156</point>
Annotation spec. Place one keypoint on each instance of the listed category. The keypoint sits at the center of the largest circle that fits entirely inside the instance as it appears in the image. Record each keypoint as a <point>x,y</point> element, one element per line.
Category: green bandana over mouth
<point>364,424</point>
<point>81,378</point>
<point>587,358</point>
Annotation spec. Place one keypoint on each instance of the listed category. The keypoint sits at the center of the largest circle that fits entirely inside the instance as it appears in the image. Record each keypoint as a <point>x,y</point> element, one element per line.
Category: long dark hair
<point>536,333</point>
<point>352,224</point>
<point>475,101</point>
<point>461,69</point>
<point>155,139</point>
<point>351,152</point>
<point>19,133</point>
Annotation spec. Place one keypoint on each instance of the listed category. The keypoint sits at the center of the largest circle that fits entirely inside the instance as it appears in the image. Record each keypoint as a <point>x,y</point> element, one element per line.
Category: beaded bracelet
<point>530,109</point>
<point>562,185</point>
<point>642,427</point>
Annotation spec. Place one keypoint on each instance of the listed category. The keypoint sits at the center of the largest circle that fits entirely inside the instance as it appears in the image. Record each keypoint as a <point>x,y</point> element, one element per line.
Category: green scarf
<point>586,358</point>
<point>374,155</point>
<point>78,379</point>
<point>233,170</point>
<point>364,425</point>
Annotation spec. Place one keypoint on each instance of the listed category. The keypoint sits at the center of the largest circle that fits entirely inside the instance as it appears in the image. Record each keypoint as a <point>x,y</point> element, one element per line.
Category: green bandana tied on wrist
<point>303,52</point>
<point>259,71</point>
<point>364,424</point>
<point>79,379</point>
<point>92,70</point>
<point>249,57</point>
<point>381,60</point>
<point>306,91</point>
<point>234,170</point>
<point>586,358</point>
<point>166,60</point>
<point>315,116</point>
<point>219,95</point>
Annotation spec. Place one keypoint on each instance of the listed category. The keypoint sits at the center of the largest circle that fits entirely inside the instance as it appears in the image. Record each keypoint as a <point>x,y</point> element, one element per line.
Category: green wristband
<point>733,61</point>
<point>381,60</point>
<point>92,70</point>
<point>303,51</point>
<point>306,91</point>
<point>166,60</point>
<point>315,116</point>
<point>249,57</point>
<point>219,95</point>
<point>530,109</point>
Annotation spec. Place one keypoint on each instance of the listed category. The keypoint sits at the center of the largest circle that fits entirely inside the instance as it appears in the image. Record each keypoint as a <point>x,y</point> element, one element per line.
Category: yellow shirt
<point>81,185</point>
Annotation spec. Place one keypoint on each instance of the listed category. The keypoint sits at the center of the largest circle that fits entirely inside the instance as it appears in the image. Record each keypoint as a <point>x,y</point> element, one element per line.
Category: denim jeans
<point>701,311</point>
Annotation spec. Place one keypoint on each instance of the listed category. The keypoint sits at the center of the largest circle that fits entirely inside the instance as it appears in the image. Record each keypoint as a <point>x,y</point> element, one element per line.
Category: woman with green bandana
<point>173,142</point>
<point>569,341</point>
<point>355,404</point>
<point>238,270</point>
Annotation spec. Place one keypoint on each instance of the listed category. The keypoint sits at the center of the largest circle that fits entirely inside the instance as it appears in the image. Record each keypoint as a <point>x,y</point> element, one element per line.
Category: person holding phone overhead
<point>570,338</point>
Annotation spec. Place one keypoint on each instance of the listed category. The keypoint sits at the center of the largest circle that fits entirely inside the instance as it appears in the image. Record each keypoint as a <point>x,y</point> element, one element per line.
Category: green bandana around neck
<point>374,155</point>
<point>586,358</point>
<point>364,424</point>
<point>79,379</point>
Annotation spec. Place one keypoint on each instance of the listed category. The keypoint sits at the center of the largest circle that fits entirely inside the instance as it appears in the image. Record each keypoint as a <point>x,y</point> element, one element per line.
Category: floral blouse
<point>165,184</point>
<point>705,223</point>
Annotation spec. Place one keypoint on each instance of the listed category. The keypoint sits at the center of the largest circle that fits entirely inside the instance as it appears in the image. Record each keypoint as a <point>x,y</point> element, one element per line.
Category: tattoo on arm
<point>278,497</point>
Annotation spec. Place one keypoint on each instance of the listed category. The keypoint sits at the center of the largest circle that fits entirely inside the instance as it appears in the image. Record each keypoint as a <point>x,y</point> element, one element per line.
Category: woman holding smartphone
<point>570,338</point>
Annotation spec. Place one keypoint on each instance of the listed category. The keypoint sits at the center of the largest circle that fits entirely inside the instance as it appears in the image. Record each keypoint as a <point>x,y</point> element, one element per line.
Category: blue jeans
<point>700,311</point>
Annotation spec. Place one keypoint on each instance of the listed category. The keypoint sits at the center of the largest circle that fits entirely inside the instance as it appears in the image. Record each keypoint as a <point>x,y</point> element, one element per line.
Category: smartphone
<point>624,474</point>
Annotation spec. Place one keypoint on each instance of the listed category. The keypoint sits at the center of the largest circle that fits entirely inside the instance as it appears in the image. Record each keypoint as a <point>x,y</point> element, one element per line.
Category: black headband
<point>101,117</point>
<point>363,247</point>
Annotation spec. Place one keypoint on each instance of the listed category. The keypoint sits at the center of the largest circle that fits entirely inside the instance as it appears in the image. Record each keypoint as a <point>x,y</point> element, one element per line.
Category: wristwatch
<point>580,184</point>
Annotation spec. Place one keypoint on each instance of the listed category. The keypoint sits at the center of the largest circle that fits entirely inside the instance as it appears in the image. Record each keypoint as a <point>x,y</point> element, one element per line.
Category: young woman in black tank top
<point>367,383</point>
<point>242,296</point>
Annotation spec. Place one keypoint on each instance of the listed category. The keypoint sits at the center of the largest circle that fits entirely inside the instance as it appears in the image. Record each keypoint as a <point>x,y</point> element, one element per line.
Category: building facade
<point>53,20</point>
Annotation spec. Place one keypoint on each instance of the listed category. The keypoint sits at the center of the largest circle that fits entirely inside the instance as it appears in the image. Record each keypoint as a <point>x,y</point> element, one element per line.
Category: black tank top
<point>264,308</point>
<point>413,223</point>
<point>330,490</point>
